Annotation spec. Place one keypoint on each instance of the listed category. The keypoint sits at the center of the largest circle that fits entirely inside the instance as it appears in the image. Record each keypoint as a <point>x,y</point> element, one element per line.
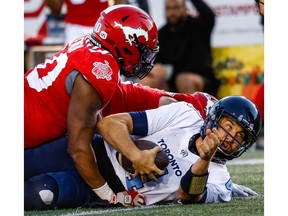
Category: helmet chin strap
<point>94,40</point>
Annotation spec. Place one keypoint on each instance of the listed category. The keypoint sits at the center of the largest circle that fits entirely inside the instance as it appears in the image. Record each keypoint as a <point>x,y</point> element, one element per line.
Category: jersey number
<point>136,183</point>
<point>44,82</point>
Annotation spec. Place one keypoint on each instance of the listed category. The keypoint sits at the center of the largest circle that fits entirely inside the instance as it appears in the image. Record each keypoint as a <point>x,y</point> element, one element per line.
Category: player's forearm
<point>85,162</point>
<point>200,167</point>
<point>193,183</point>
<point>79,147</point>
<point>186,198</point>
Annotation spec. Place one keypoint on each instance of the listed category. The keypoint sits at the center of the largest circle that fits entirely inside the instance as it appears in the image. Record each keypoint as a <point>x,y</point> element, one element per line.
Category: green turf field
<point>249,171</point>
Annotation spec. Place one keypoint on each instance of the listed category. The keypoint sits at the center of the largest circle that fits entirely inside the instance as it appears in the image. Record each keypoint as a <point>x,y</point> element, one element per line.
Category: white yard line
<point>97,212</point>
<point>246,162</point>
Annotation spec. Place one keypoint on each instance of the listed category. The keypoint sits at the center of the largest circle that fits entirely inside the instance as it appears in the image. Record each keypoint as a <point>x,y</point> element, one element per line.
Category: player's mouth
<point>225,147</point>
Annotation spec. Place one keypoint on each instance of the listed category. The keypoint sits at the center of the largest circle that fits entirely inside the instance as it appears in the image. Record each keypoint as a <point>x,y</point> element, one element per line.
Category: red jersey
<point>135,97</point>
<point>47,88</point>
<point>200,100</point>
<point>84,12</point>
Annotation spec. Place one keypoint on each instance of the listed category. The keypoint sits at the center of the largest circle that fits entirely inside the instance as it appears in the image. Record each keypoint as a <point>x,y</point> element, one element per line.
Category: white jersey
<point>171,127</point>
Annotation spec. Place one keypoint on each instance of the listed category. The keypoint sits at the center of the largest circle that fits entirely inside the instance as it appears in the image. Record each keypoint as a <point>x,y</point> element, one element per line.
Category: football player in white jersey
<point>197,152</point>
<point>197,149</point>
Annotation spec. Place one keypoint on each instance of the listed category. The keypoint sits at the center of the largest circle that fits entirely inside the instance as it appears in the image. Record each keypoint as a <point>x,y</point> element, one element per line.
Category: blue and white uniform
<point>171,127</point>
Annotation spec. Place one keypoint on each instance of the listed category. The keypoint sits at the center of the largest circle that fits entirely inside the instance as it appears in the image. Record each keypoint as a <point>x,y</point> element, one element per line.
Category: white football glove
<point>242,191</point>
<point>128,198</point>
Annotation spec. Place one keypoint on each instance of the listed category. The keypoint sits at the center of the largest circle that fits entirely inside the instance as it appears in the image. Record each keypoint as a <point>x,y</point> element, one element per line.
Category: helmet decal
<point>102,71</point>
<point>129,33</point>
<point>103,35</point>
<point>251,126</point>
<point>240,118</point>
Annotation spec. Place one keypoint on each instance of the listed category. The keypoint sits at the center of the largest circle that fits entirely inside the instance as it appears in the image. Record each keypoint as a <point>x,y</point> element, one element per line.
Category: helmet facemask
<point>213,120</point>
<point>247,141</point>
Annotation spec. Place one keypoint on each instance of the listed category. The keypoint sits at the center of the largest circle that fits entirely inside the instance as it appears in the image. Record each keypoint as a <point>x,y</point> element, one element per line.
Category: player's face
<point>231,134</point>
<point>175,11</point>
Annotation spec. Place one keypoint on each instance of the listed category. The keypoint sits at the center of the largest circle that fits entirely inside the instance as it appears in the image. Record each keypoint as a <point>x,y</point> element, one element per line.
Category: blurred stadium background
<point>237,40</point>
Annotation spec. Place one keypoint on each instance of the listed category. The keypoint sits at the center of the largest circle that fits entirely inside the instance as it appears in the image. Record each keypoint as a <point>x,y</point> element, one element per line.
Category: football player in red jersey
<point>63,95</point>
<point>128,97</point>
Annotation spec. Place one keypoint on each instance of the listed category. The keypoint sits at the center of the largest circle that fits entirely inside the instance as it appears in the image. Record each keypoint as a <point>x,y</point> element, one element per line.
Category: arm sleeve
<point>140,123</point>
<point>176,115</point>
<point>130,97</point>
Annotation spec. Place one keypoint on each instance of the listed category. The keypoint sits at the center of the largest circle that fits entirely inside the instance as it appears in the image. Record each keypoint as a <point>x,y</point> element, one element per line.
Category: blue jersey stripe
<point>140,123</point>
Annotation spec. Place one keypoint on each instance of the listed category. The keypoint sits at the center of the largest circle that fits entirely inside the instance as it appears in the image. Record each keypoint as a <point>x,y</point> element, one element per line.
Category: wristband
<point>104,192</point>
<point>193,184</point>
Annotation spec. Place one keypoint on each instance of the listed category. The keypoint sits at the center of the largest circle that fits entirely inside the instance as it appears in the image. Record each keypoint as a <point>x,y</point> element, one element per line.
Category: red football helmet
<point>131,36</point>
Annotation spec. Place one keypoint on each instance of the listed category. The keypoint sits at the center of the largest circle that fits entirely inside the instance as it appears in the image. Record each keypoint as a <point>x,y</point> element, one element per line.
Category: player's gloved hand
<point>128,198</point>
<point>242,191</point>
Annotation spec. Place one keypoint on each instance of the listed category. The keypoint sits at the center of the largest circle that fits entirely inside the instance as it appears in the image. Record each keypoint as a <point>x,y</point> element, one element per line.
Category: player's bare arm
<point>116,130</point>
<point>83,106</point>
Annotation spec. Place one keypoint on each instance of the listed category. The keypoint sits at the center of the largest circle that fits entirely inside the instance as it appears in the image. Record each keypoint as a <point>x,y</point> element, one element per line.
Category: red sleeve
<point>200,100</point>
<point>133,97</point>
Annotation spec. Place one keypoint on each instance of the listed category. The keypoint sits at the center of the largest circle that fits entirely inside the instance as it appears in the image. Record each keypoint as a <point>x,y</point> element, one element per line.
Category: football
<point>161,159</point>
